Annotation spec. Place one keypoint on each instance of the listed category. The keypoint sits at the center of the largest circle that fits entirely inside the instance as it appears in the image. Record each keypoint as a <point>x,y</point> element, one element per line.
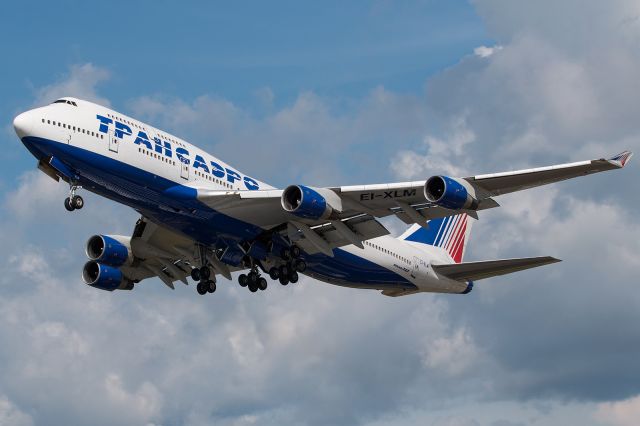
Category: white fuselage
<point>108,148</point>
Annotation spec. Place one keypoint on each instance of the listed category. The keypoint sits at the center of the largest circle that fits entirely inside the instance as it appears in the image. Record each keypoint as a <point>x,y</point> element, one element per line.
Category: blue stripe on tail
<point>434,235</point>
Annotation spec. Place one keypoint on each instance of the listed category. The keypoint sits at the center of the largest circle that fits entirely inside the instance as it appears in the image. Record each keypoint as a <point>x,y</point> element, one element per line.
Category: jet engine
<point>113,250</point>
<point>310,203</point>
<point>450,193</point>
<point>104,277</point>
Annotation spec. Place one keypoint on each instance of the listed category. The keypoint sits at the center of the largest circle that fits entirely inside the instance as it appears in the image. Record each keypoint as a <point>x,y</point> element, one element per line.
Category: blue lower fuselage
<point>175,206</point>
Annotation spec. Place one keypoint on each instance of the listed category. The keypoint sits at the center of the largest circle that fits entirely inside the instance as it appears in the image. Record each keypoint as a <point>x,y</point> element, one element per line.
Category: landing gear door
<point>113,142</point>
<point>184,169</point>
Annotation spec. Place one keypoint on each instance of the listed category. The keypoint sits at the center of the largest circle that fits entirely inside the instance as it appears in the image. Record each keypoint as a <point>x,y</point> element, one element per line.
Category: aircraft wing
<point>474,271</point>
<point>163,253</point>
<point>504,183</point>
<point>409,201</point>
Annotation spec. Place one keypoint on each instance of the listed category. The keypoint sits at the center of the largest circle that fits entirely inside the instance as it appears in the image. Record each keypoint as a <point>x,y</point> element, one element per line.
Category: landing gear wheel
<point>211,286</point>
<point>253,278</point>
<point>243,280</point>
<point>68,205</point>
<point>262,284</point>
<point>274,273</point>
<point>284,271</point>
<point>205,273</point>
<point>284,280</point>
<point>295,252</point>
<point>300,265</point>
<point>202,288</point>
<point>195,274</point>
<point>293,277</point>
<point>77,202</point>
<point>285,254</point>
<point>253,288</point>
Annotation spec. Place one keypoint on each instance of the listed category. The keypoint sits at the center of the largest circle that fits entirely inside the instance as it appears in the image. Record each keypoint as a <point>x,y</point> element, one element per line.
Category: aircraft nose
<point>21,124</point>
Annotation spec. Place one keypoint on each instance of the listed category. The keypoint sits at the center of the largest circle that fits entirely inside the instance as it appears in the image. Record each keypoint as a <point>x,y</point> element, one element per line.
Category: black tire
<point>295,252</point>
<point>293,277</point>
<point>243,280</point>
<point>68,205</point>
<point>300,265</point>
<point>253,288</point>
<point>195,274</point>
<point>205,273</point>
<point>201,287</point>
<point>284,270</point>
<point>211,286</point>
<point>285,254</point>
<point>253,278</point>
<point>77,202</point>
<point>262,284</point>
<point>274,273</point>
<point>284,280</point>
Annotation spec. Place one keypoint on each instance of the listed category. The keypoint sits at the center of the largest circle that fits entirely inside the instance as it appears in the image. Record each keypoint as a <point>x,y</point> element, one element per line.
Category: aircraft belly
<point>347,269</point>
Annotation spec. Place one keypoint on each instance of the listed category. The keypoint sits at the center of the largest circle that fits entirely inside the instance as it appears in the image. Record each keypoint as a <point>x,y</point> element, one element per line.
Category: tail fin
<point>450,233</point>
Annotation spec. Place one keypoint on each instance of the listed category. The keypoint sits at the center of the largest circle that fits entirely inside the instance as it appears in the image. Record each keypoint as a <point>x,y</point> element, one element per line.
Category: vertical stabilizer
<point>448,233</point>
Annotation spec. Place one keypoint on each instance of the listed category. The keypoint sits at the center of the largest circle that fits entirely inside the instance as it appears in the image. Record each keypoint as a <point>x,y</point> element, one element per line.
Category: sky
<point>334,93</point>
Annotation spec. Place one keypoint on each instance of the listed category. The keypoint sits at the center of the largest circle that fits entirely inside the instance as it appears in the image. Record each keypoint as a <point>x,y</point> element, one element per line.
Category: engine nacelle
<point>111,250</point>
<point>104,277</point>
<point>309,203</point>
<point>449,193</point>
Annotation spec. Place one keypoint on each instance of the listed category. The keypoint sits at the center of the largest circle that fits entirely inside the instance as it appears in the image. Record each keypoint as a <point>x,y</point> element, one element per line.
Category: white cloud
<point>620,413</point>
<point>452,353</point>
<point>81,82</point>
<point>485,52</point>
<point>146,402</point>
<point>10,415</point>
<point>444,155</point>
<point>35,192</point>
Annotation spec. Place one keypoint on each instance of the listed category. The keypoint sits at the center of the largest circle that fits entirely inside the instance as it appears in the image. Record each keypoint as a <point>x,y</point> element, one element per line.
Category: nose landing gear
<point>73,201</point>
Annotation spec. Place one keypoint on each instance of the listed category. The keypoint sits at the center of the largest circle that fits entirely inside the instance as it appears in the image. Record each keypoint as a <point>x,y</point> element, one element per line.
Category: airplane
<point>202,218</point>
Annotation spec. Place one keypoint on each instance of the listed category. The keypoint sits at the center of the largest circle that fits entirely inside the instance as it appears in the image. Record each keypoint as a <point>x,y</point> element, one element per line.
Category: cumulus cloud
<point>81,82</point>
<point>317,354</point>
<point>308,140</point>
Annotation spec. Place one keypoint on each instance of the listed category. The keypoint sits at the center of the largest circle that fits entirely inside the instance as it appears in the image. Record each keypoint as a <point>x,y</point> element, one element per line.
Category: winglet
<point>621,158</point>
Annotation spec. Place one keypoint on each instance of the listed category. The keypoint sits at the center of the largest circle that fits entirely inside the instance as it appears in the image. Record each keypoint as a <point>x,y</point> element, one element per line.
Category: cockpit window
<point>64,101</point>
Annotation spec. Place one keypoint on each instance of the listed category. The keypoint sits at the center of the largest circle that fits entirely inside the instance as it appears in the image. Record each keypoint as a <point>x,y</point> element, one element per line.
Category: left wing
<point>157,251</point>
<point>325,218</point>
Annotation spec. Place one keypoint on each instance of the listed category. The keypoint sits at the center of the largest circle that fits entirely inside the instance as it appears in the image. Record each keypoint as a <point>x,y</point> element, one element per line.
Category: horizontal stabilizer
<point>474,271</point>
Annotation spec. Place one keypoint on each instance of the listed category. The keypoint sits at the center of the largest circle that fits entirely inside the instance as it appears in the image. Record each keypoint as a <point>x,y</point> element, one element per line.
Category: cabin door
<point>113,142</point>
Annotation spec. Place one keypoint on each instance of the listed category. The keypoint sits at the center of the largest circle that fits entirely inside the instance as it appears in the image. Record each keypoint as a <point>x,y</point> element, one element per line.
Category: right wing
<point>474,271</point>
<point>411,202</point>
<point>495,184</point>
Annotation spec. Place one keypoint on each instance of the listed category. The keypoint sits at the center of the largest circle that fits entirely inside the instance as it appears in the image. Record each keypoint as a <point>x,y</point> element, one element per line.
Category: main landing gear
<point>206,281</point>
<point>73,201</point>
<point>286,273</point>
<point>253,281</point>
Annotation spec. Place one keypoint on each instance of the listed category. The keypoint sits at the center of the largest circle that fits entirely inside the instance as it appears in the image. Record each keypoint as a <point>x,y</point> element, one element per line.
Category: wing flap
<point>364,226</point>
<point>474,271</point>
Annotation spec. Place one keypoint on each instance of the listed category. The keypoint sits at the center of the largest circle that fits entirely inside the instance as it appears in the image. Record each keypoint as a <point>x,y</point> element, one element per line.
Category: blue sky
<point>332,48</point>
<point>325,94</point>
